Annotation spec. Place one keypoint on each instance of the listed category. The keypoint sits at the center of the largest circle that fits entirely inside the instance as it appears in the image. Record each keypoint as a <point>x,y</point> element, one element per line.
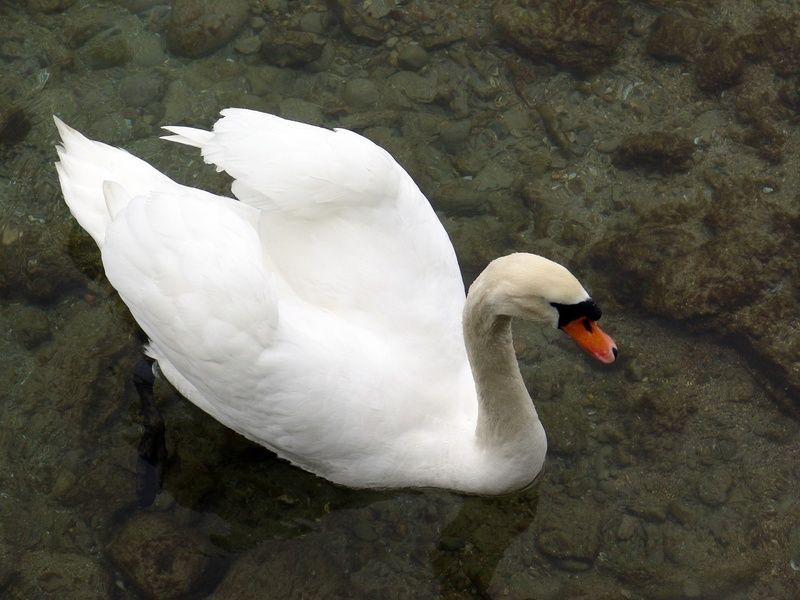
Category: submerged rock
<point>656,151</point>
<point>365,20</point>
<point>714,487</point>
<point>83,25</point>
<point>412,57</point>
<point>300,568</point>
<point>720,54</point>
<point>47,575</point>
<point>49,6</point>
<point>291,48</point>
<point>581,35</point>
<point>727,264</point>
<point>31,325</point>
<point>162,559</point>
<point>360,92</point>
<point>35,267</point>
<point>142,88</point>
<point>198,27</point>
<point>107,49</point>
<point>574,545</point>
<point>14,124</point>
<point>678,38</point>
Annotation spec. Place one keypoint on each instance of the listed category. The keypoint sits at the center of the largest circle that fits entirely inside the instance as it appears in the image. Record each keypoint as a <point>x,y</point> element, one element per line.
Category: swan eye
<point>568,313</point>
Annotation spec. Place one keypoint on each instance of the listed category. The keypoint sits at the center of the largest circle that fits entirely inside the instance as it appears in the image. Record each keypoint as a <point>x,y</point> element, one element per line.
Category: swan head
<point>531,287</point>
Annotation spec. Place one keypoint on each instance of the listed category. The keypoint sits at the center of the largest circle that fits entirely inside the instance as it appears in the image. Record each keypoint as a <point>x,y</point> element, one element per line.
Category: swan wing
<point>343,223</point>
<point>283,165</point>
<point>183,264</point>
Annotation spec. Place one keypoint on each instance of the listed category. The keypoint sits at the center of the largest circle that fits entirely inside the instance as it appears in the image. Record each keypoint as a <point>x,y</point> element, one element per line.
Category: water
<point>672,474</point>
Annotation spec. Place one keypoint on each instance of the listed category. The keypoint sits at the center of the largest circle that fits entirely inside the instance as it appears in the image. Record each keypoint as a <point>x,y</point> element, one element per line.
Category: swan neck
<point>505,410</point>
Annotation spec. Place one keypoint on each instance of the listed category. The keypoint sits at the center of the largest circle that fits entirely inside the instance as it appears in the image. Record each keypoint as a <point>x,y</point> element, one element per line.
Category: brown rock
<point>364,20</point>
<point>163,560</point>
<point>198,27</point>
<point>33,265</point>
<point>656,151</point>
<point>674,37</point>
<point>728,265</point>
<point>573,544</point>
<point>49,6</point>
<point>61,575</point>
<point>300,568</point>
<point>82,25</point>
<point>14,124</point>
<point>581,35</point>
<point>291,48</point>
<point>721,65</point>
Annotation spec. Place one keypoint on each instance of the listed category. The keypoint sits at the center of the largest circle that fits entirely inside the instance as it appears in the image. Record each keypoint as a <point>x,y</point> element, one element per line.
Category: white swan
<point>321,315</point>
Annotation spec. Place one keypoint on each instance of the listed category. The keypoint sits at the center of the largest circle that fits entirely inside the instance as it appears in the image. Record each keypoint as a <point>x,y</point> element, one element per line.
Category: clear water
<point>673,474</point>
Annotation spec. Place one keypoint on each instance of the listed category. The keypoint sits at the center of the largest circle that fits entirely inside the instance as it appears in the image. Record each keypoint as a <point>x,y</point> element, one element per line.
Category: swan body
<point>320,313</point>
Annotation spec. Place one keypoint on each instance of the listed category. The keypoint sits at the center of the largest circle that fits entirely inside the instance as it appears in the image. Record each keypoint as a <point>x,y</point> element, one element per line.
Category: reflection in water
<point>655,156</point>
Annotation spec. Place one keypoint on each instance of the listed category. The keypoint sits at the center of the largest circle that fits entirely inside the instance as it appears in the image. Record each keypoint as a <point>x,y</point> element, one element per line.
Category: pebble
<point>44,574</point>
<point>49,6</point>
<point>365,531</point>
<point>453,133</point>
<point>107,49</point>
<point>633,370</point>
<point>305,567</point>
<point>63,485</point>
<point>32,326</point>
<point>162,559</point>
<point>313,22</point>
<point>360,93</point>
<point>413,86</point>
<point>248,45</point>
<point>412,57</point>
<point>142,88</point>
<point>198,27</point>
<point>627,527</point>
<point>291,48</point>
<point>680,512</point>
<point>713,489</point>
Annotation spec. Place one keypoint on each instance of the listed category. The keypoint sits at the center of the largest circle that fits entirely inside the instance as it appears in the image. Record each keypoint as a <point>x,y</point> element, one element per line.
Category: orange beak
<point>588,335</point>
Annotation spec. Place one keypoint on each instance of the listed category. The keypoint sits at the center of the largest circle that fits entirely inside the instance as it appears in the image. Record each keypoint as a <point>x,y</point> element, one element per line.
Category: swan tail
<point>189,136</point>
<point>98,180</point>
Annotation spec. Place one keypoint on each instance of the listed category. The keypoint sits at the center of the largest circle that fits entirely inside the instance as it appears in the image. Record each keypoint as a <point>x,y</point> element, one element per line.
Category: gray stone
<point>49,6</point>
<point>248,45</point>
<point>578,34</point>
<point>714,487</point>
<point>300,110</point>
<point>299,568</point>
<point>314,22</point>
<point>14,123</point>
<point>627,527</point>
<point>413,86</point>
<point>107,49</point>
<point>83,25</point>
<point>291,48</point>
<point>453,133</point>
<point>49,575</point>
<point>162,559</point>
<point>198,27</point>
<point>139,89</point>
<point>31,325</point>
<point>494,176</point>
<point>360,93</point>
<point>147,49</point>
<point>412,57</point>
